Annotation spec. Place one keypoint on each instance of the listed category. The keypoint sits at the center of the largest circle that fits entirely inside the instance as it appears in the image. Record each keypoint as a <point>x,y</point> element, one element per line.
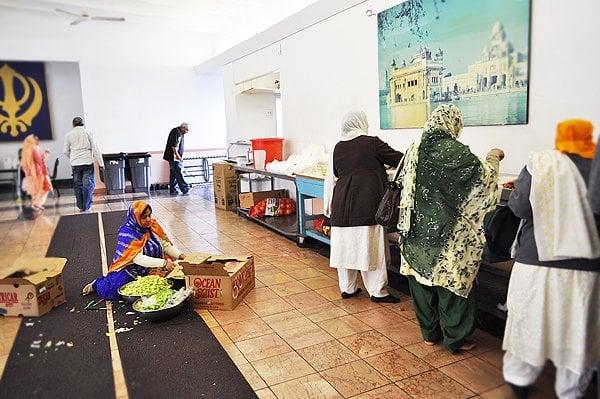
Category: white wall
<point>331,68</point>
<point>65,102</point>
<point>136,83</point>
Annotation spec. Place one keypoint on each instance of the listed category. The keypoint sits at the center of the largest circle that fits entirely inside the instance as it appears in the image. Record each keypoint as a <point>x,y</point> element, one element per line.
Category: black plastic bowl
<point>178,282</point>
<point>157,316</point>
<point>133,298</point>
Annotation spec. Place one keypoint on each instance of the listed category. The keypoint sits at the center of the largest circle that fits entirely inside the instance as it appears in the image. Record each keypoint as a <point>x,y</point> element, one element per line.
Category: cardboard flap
<point>208,269</point>
<point>35,270</point>
<point>213,265</point>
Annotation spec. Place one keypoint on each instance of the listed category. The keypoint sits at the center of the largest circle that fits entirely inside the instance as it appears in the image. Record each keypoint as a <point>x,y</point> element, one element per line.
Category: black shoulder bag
<point>388,210</point>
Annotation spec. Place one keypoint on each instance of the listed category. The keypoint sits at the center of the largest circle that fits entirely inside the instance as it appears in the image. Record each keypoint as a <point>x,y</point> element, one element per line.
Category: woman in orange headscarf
<point>554,290</point>
<point>37,182</point>
<point>142,245</point>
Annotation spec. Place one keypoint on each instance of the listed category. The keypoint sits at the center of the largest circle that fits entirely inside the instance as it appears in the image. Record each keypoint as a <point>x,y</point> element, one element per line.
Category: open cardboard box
<point>216,283</point>
<point>32,286</point>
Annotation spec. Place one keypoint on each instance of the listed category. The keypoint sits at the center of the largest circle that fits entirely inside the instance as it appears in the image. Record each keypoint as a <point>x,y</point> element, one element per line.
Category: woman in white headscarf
<point>355,183</point>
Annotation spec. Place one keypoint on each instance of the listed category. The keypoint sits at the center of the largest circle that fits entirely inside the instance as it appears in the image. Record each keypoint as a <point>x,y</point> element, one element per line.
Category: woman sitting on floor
<point>142,245</point>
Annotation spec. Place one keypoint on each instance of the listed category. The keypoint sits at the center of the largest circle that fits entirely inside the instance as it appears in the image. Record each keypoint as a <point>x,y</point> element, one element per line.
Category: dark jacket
<point>359,165</point>
<point>526,248</point>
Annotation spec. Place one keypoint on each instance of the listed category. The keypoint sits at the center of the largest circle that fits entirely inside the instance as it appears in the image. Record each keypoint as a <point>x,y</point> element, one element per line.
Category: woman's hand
<point>169,265</point>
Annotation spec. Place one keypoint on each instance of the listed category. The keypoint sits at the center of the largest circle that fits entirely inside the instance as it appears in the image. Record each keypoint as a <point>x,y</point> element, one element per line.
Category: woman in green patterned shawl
<point>447,191</point>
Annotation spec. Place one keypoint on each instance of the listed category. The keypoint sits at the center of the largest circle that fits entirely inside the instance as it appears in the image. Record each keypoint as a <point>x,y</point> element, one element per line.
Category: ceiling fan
<point>85,16</point>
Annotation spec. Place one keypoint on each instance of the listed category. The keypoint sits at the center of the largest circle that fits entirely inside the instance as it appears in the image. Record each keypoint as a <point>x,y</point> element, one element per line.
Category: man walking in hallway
<point>174,155</point>
<point>81,149</point>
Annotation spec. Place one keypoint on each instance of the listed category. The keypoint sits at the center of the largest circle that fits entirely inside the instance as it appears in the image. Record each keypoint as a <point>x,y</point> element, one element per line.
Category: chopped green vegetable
<point>146,286</point>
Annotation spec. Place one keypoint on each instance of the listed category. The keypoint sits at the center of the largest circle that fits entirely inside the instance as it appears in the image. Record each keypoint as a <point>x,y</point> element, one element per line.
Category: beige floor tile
<point>404,309</point>
<point>306,300</point>
<point>320,282</point>
<point>368,343</point>
<point>247,329</point>
<point>485,342</point>
<point>324,312</point>
<point>380,318</point>
<point>475,374</point>
<point>304,273</point>
<point>434,384</point>
<point>263,347</point>
<point>330,293</point>
<point>357,304</point>
<point>344,326</point>
<point>504,392</point>
<point>309,387</point>
<point>303,337</point>
<point>354,378</point>
<point>276,278</point>
<point>398,364</point>
<point>271,307</point>
<point>494,357</point>
<point>234,353</point>
<point>242,312</point>
<point>327,355</point>
<point>281,368</point>
<point>287,320</point>
<point>255,381</point>
<point>387,392</point>
<point>265,394</point>
<point>403,333</point>
<point>436,355</point>
<point>291,288</point>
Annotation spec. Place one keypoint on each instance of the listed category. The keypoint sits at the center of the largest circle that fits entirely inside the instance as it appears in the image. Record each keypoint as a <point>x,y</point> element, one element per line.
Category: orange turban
<point>574,136</point>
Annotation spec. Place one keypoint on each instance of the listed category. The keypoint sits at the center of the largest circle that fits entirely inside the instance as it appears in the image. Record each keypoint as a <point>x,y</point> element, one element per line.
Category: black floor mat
<point>80,367</point>
<point>179,358</point>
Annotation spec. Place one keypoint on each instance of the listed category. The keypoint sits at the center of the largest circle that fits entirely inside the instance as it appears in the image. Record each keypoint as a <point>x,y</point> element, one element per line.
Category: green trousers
<point>442,314</point>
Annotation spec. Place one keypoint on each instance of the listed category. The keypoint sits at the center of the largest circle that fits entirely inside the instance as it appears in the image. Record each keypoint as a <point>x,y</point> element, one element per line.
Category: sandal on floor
<point>345,295</point>
<point>385,299</point>
<point>431,343</point>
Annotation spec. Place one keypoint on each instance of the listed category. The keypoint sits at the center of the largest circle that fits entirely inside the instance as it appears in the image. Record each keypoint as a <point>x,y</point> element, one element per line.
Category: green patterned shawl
<point>447,192</point>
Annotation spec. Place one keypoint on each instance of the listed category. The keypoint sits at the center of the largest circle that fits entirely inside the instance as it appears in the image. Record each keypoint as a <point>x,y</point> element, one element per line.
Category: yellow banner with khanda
<point>23,101</point>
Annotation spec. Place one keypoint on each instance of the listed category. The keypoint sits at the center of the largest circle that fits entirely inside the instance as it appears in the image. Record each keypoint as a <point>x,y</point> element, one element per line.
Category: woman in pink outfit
<point>37,182</point>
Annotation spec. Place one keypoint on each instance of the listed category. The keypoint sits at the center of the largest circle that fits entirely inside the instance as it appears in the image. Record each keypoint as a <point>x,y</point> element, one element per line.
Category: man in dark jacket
<point>174,155</point>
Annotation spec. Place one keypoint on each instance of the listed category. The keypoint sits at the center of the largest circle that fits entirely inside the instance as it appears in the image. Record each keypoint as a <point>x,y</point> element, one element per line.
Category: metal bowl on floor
<point>133,298</point>
<point>157,316</point>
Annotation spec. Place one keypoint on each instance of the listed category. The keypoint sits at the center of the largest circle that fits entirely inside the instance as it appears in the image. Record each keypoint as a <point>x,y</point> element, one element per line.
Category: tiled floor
<point>293,336</point>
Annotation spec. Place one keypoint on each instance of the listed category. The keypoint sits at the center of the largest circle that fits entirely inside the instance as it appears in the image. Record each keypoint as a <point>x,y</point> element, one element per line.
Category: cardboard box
<point>216,285</point>
<point>248,200</point>
<point>225,186</point>
<point>32,286</point>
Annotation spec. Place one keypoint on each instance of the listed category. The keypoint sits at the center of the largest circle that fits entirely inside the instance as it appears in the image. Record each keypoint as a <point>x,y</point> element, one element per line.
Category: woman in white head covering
<point>355,183</point>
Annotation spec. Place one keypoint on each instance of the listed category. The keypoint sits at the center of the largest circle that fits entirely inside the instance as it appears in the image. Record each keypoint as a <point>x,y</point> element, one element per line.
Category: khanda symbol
<point>14,118</point>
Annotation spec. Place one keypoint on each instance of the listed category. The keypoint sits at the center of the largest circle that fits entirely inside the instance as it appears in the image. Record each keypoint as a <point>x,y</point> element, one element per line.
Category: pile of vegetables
<point>163,299</point>
<point>273,207</point>
<point>146,286</point>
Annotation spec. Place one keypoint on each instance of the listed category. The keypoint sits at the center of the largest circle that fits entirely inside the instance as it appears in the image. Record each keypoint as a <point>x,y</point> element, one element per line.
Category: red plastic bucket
<point>273,148</point>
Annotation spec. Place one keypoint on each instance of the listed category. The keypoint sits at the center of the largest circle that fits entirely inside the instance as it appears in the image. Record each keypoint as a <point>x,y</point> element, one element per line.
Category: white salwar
<point>356,248</point>
<point>553,314</point>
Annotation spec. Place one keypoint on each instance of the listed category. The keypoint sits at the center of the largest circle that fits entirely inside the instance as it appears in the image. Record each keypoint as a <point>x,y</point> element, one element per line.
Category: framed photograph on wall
<point>474,54</point>
<point>23,101</point>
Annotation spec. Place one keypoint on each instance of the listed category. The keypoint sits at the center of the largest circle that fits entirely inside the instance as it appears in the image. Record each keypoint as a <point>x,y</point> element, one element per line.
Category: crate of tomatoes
<point>273,207</point>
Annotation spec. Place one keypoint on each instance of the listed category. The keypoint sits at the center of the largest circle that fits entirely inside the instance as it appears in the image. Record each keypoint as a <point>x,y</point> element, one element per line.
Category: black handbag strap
<point>399,169</point>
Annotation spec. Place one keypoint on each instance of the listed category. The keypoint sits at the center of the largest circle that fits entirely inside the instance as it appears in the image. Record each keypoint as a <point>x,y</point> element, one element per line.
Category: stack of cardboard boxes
<point>225,186</point>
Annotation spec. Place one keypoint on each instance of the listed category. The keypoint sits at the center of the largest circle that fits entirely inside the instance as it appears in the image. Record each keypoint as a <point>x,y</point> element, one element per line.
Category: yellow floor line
<point>118,375</point>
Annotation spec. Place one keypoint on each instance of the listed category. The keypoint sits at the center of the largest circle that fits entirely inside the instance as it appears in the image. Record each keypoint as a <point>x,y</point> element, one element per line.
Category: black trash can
<point>138,164</point>
<point>114,173</point>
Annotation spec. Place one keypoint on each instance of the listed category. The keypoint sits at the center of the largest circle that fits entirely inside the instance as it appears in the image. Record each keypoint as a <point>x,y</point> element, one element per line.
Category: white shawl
<point>564,222</point>
<point>354,124</point>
